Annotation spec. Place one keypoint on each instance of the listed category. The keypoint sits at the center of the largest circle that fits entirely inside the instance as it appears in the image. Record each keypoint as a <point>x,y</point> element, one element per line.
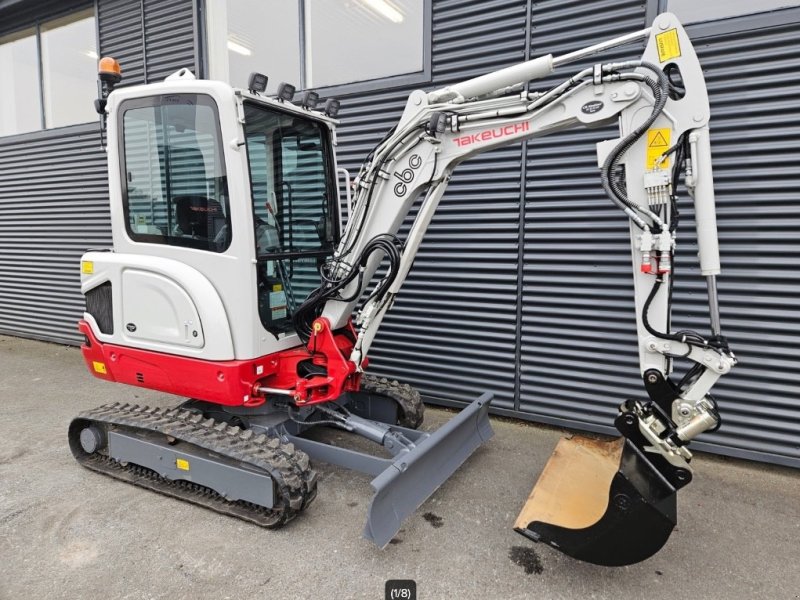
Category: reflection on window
<point>65,74</point>
<point>20,108</point>
<point>263,36</point>
<point>292,207</point>
<point>69,69</point>
<point>173,164</point>
<point>692,11</point>
<point>362,39</point>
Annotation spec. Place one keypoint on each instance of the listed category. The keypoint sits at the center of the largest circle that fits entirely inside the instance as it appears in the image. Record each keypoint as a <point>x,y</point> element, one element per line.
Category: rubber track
<point>408,398</point>
<point>290,469</point>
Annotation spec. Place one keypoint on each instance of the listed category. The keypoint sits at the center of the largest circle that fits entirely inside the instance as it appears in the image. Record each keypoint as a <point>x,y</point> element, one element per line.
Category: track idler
<point>608,503</point>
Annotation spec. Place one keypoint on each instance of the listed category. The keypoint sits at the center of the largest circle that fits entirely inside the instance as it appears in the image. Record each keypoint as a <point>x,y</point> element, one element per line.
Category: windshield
<point>293,208</point>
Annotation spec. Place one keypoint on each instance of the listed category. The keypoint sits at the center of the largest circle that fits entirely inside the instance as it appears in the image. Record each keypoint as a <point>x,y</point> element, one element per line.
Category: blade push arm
<point>661,104</point>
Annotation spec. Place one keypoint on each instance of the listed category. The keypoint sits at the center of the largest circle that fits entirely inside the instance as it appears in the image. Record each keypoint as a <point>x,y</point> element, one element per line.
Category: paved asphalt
<point>66,532</point>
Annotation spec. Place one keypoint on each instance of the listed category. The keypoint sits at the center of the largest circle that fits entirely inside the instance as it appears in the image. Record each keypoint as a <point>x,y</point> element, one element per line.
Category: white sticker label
<point>277,304</point>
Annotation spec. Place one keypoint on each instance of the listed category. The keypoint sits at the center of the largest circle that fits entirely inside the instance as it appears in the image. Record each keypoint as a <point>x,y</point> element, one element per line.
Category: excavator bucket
<point>412,478</point>
<point>602,502</point>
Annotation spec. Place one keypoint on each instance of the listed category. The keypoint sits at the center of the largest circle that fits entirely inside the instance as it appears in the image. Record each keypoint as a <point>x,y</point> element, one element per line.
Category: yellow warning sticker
<point>668,45</point>
<point>277,287</point>
<point>99,367</point>
<point>657,144</point>
<point>182,464</point>
<point>87,267</point>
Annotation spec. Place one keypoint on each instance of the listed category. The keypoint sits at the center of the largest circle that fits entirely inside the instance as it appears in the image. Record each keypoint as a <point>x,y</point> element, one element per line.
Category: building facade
<point>522,286</point>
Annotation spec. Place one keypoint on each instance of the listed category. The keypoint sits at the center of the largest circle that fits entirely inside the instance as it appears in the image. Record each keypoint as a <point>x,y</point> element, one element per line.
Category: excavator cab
<point>225,217</point>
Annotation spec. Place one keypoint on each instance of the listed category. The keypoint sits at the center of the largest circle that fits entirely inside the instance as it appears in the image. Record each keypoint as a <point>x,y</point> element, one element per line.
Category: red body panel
<point>232,382</point>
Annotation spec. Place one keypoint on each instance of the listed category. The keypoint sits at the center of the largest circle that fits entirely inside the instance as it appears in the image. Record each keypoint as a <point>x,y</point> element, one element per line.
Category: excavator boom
<point>607,503</point>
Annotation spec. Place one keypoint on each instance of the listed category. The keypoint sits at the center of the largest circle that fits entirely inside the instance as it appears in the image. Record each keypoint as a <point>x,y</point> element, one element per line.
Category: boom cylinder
<point>490,82</point>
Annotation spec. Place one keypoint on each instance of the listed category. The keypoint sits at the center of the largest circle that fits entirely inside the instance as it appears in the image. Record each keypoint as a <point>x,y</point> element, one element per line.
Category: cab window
<point>175,189</point>
<point>294,208</point>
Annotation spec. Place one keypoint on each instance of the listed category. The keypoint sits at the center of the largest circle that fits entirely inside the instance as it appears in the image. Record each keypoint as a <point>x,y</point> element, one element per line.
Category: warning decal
<point>657,144</point>
<point>668,45</point>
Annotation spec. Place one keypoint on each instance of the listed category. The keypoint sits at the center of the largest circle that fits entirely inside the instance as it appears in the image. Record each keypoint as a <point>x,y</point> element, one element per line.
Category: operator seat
<point>200,218</point>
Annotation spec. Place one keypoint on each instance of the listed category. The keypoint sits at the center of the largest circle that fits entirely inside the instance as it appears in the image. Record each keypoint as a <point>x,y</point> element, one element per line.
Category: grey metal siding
<point>53,186</point>
<point>751,74</point>
<point>169,37</point>
<point>452,330</point>
<point>120,25</point>
<point>26,14</point>
<point>578,355</point>
<point>53,205</point>
<point>150,38</point>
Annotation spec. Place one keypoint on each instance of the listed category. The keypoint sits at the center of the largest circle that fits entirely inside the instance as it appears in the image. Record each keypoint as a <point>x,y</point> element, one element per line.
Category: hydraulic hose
<point>613,188</point>
<point>309,310</point>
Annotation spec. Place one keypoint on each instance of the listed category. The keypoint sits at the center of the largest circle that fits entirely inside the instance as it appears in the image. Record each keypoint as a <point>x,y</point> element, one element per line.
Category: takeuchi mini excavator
<point>233,283</point>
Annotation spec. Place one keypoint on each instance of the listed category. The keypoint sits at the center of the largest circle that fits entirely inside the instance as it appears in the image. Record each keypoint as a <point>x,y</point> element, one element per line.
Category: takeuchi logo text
<point>491,134</point>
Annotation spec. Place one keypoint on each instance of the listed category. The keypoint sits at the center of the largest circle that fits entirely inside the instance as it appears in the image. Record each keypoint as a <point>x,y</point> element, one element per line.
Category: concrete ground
<point>66,532</point>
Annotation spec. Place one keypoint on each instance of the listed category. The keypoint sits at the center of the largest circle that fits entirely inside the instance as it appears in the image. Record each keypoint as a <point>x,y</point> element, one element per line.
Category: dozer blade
<point>415,475</point>
<point>602,502</point>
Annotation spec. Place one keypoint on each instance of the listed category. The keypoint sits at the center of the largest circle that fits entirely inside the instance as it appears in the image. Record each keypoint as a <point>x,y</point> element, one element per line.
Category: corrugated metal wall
<point>454,330</point>
<point>53,205</point>
<point>150,38</point>
<point>750,65</point>
<point>579,356</point>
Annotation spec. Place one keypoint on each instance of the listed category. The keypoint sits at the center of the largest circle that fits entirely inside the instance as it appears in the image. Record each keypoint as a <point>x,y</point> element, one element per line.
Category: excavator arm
<point>661,105</point>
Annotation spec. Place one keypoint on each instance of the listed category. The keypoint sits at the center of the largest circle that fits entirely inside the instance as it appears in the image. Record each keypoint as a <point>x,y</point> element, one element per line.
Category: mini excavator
<point>234,283</point>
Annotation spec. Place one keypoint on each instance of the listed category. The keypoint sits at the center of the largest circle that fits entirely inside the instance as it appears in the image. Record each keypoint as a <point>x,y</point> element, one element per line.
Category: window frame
<point>36,25</point>
<point>215,51</point>
<point>168,240</point>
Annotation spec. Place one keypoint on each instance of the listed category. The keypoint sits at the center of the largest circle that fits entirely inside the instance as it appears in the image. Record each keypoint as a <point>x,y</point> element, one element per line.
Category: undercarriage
<point>255,463</point>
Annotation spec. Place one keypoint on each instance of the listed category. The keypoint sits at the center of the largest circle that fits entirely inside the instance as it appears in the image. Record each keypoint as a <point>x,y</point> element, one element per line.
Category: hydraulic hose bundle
<point>332,284</point>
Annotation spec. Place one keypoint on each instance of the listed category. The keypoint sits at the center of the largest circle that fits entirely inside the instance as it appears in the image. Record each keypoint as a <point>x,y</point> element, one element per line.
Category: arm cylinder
<point>704,208</point>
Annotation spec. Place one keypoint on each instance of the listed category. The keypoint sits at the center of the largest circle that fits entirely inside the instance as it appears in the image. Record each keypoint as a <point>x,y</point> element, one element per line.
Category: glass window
<point>263,37</point>
<point>20,105</point>
<point>315,43</point>
<point>292,208</point>
<point>173,164</point>
<point>69,69</point>
<point>692,11</point>
<point>362,39</point>
<point>57,61</point>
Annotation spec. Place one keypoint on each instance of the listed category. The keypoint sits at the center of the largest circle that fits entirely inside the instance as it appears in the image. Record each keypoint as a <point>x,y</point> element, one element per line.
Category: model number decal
<point>591,107</point>
<point>490,134</point>
<point>407,175</point>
